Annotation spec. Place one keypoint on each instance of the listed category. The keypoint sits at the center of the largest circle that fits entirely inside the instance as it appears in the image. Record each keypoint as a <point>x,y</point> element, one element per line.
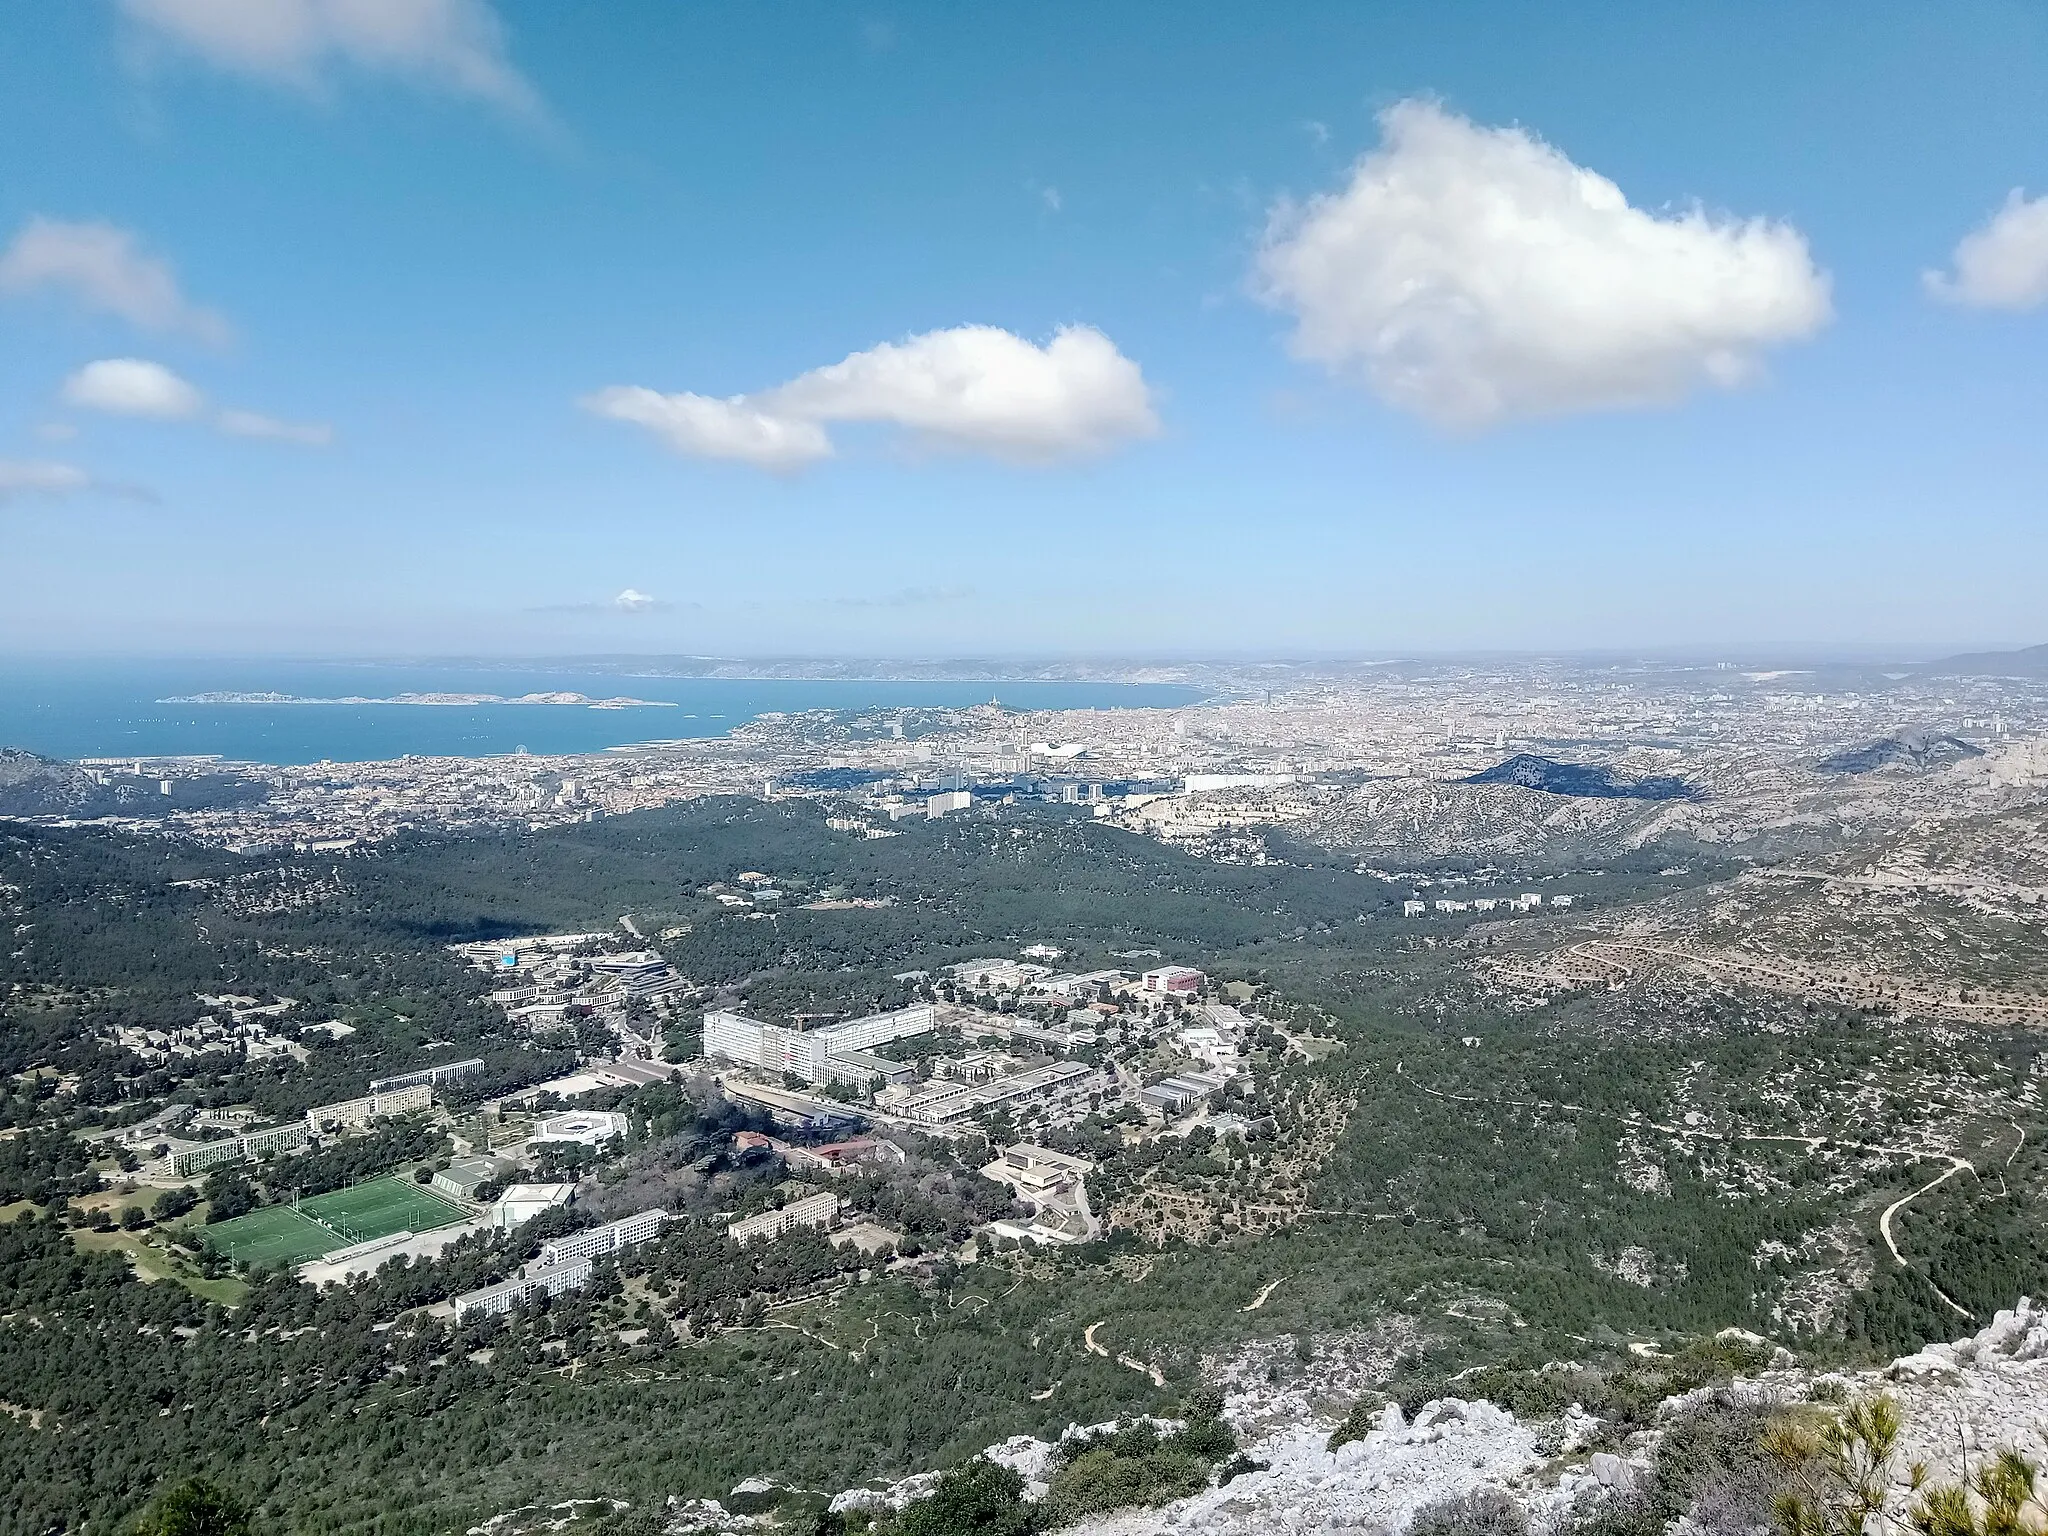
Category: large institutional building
<point>829,1052</point>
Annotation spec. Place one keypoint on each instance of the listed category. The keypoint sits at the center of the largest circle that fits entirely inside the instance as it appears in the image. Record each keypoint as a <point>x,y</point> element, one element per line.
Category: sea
<point>84,709</point>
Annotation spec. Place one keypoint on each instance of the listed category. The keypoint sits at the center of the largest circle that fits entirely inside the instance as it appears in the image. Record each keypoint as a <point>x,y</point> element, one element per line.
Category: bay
<point>80,709</point>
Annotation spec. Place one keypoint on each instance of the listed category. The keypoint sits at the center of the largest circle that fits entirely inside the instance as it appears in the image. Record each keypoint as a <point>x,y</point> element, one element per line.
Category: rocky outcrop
<point>1375,1483</point>
<point>1960,1401</point>
<point>1976,1395</point>
<point>1584,780</point>
<point>1920,751</point>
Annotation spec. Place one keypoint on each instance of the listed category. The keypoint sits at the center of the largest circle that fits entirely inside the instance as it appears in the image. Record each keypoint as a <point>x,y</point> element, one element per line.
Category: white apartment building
<point>356,1113</point>
<point>811,1054</point>
<point>819,1210</point>
<point>627,1232</point>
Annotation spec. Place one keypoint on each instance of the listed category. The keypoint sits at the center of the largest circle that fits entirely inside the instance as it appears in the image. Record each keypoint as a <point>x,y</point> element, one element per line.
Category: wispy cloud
<point>134,386</point>
<point>103,268</point>
<point>452,45</point>
<point>24,479</point>
<point>312,434</point>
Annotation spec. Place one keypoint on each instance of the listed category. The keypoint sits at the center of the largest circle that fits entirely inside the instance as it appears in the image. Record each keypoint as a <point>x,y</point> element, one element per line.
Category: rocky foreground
<point>1959,1399</point>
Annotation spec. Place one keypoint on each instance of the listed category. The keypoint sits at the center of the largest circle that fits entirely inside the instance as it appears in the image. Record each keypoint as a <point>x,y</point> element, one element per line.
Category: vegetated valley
<point>1453,1176</point>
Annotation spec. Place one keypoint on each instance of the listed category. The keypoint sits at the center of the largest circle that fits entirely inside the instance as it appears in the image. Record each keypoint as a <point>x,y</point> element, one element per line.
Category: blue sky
<point>457,314</point>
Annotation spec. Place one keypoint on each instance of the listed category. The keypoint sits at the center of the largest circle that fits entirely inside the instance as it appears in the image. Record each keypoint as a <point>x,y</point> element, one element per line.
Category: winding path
<point>1811,1143</point>
<point>1153,1371</point>
<point>1259,1300</point>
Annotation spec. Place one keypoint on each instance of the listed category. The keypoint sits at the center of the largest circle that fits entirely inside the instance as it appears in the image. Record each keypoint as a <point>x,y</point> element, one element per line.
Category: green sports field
<point>277,1234</point>
<point>381,1207</point>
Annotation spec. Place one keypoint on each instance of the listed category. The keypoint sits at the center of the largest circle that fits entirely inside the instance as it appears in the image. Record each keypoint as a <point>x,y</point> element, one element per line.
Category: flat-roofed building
<point>863,1067</point>
<point>240,1149</point>
<point>955,1101</point>
<point>522,1202</point>
<point>1181,980</point>
<point>1037,1173</point>
<point>446,1072</point>
<point>353,1114</point>
<point>819,1210</point>
<point>808,1053</point>
<point>1177,1093</point>
<point>584,1127</point>
<point>563,1265</point>
<point>612,1237</point>
<point>464,1176</point>
<point>1079,987</point>
<point>550,1279</point>
<point>998,975</point>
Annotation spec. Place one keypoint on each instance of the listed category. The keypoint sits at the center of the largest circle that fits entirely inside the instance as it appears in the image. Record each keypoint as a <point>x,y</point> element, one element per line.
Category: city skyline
<point>484,329</point>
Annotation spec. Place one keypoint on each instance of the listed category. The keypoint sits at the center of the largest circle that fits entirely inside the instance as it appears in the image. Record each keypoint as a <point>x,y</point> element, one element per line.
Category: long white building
<point>563,1265</point>
<point>811,1211</point>
<point>613,1236</point>
<point>815,1055</point>
<point>356,1113</point>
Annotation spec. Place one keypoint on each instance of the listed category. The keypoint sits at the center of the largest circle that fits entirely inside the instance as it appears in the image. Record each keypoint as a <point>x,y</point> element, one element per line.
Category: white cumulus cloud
<point>458,45</point>
<point>40,477</point>
<point>634,601</point>
<point>974,388</point>
<point>101,266</point>
<point>706,427</point>
<point>312,434</point>
<point>2003,264</point>
<point>1474,275</point>
<point>131,386</point>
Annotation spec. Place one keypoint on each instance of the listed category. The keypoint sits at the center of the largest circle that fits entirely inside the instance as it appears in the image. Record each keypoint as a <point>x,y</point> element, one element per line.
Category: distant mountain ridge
<point>1581,780</point>
<point>2030,661</point>
<point>1922,750</point>
<point>33,785</point>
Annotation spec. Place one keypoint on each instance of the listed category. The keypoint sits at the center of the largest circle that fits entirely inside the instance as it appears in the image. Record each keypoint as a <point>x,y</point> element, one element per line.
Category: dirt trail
<point>1811,1143</point>
<point>1259,1300</point>
<point>1884,1229</point>
<point>1127,1361</point>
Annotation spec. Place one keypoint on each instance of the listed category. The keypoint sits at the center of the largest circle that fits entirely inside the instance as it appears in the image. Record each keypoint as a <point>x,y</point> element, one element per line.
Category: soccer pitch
<point>380,1207</point>
<point>278,1234</point>
<point>275,1235</point>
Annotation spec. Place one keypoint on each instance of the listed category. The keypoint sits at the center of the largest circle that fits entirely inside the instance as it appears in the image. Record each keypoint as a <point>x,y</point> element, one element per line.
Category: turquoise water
<point>113,709</point>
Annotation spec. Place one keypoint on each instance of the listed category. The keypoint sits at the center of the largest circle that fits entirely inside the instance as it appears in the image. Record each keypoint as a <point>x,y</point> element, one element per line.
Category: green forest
<point>1511,1184</point>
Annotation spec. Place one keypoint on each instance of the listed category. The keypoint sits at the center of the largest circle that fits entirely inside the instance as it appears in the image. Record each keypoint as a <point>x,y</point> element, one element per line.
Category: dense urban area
<point>1374,1096</point>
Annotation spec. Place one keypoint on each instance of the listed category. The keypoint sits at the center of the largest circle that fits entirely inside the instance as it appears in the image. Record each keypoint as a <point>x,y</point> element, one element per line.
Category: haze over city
<point>467,328</point>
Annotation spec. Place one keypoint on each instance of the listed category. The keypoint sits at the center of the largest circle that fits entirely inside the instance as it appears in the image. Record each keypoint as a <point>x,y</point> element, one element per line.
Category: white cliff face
<point>1960,1402</point>
<point>1975,1396</point>
<point>1372,1484</point>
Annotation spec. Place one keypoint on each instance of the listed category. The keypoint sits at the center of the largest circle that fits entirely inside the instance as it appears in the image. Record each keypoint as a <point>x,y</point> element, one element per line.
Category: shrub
<point>196,1507</point>
<point>1476,1512</point>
